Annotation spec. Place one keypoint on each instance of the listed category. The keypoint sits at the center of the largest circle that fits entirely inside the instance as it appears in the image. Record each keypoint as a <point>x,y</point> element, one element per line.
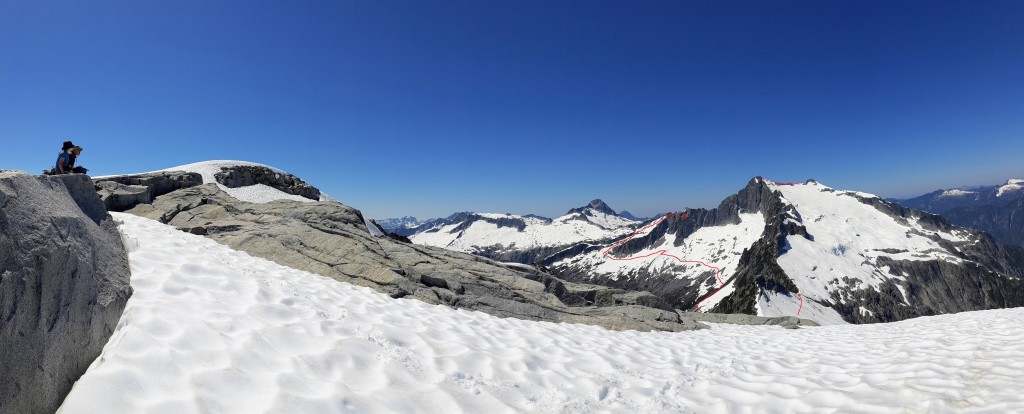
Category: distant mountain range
<point>396,225</point>
<point>996,209</point>
<point>408,225</point>
<point>523,239</point>
<point>772,249</point>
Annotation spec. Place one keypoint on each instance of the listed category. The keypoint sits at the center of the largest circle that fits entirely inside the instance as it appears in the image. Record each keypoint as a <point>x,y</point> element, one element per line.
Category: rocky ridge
<point>757,269</point>
<point>998,209</point>
<point>534,237</point>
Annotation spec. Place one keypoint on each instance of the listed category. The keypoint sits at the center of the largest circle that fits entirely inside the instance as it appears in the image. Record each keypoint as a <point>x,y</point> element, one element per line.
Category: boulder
<point>121,197</point>
<point>64,282</point>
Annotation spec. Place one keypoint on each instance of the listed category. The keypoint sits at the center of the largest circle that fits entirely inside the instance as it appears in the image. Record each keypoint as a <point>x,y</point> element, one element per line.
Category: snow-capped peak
<point>596,205</point>
<point>1013,184</point>
<point>406,222</point>
<point>598,213</point>
<point>956,192</point>
<point>508,236</point>
<point>817,186</point>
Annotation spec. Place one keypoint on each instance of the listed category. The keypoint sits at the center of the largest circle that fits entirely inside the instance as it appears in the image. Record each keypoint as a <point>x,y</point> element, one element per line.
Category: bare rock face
<point>331,239</point>
<point>64,282</point>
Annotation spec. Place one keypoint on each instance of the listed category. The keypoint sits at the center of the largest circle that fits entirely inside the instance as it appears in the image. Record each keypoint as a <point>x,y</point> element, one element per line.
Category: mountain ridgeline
<point>526,238</point>
<point>772,249</point>
<point>757,269</point>
<point>997,209</point>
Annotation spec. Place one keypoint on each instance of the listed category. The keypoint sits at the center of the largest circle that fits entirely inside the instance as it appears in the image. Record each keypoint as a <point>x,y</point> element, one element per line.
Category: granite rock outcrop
<point>64,282</point>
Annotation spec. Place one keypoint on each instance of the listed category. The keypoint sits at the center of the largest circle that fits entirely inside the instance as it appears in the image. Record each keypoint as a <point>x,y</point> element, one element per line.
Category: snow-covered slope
<point>214,330</point>
<point>704,255</point>
<point>848,239</point>
<point>495,235</point>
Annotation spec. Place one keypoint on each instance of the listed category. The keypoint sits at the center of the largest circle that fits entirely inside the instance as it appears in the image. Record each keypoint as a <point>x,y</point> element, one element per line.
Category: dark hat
<point>67,144</point>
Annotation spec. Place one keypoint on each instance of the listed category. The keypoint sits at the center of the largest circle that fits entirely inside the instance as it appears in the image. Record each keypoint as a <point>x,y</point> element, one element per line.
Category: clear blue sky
<point>427,108</point>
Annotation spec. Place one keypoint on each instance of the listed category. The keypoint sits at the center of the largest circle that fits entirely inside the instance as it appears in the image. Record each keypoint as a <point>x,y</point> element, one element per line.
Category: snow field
<point>212,330</point>
<point>773,304</point>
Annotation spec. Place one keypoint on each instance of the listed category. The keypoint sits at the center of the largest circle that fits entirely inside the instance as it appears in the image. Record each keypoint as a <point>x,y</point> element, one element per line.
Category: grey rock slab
<point>64,282</point>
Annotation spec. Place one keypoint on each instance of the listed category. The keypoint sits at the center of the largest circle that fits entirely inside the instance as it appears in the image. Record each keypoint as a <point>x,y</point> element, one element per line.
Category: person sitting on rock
<point>64,159</point>
<point>75,152</point>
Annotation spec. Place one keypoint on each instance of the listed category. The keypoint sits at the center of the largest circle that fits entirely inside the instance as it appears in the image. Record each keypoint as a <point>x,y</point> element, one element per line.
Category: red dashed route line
<point>663,252</point>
